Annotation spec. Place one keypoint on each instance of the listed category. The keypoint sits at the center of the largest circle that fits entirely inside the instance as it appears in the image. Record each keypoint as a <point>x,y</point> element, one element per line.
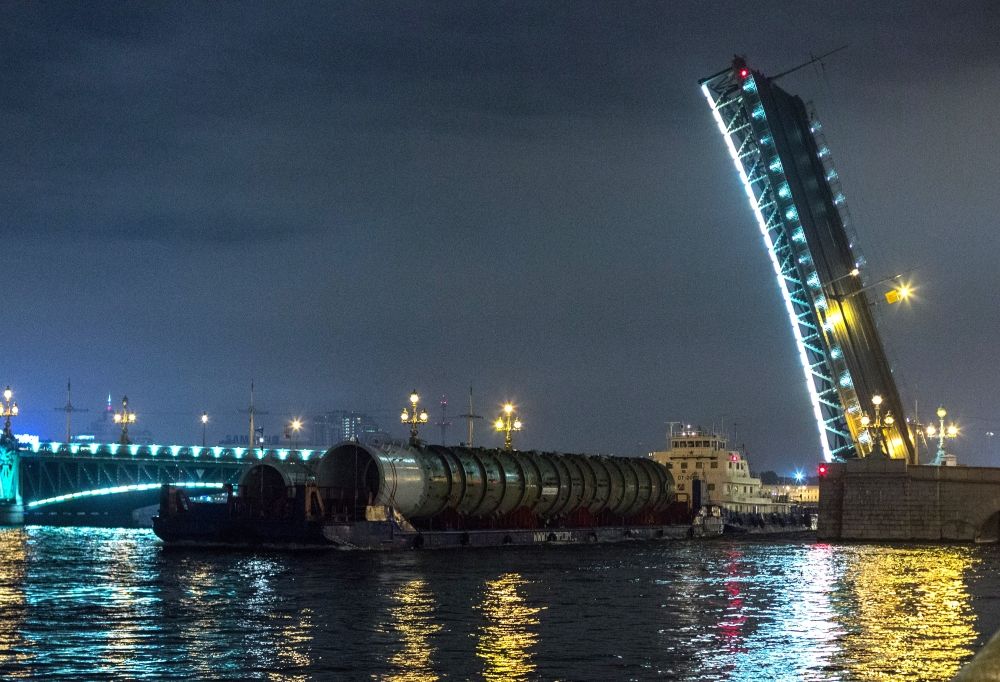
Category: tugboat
<point>717,484</point>
<point>398,496</point>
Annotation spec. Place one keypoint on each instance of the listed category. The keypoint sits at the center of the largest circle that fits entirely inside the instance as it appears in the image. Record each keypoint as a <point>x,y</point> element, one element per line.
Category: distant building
<point>334,427</point>
<point>242,440</point>
<point>795,493</point>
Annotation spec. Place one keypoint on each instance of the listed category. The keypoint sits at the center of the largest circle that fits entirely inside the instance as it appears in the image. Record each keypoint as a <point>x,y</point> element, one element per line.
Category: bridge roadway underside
<point>881,499</point>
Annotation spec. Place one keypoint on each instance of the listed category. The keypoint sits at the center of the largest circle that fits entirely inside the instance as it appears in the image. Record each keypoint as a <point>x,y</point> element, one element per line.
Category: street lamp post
<point>204,427</point>
<point>507,423</point>
<point>125,417</point>
<point>9,409</point>
<point>942,432</point>
<point>296,425</point>
<point>878,425</point>
<point>414,417</point>
<point>899,291</point>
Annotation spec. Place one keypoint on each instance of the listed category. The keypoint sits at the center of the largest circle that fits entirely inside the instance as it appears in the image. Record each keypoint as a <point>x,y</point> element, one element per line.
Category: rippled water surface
<point>96,603</point>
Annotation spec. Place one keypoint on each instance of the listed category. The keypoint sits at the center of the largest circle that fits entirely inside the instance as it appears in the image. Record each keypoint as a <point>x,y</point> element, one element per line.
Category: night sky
<point>344,201</point>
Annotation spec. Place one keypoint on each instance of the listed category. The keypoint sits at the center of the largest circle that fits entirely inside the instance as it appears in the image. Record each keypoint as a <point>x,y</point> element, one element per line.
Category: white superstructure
<point>697,457</point>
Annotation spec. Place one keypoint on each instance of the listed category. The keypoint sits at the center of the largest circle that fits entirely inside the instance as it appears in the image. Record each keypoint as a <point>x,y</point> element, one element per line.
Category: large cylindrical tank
<point>423,481</point>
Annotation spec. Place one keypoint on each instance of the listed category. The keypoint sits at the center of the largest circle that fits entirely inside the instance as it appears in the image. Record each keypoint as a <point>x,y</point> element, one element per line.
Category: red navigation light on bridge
<point>821,470</point>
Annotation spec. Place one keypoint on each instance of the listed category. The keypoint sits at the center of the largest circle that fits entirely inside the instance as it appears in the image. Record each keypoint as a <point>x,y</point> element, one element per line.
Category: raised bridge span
<point>97,483</point>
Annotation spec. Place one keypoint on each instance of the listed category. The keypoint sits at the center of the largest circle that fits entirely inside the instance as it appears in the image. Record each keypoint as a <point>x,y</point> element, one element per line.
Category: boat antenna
<point>470,418</point>
<point>813,60</point>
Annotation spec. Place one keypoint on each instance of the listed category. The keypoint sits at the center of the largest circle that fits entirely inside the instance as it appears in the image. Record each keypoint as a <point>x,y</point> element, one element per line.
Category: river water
<point>95,603</point>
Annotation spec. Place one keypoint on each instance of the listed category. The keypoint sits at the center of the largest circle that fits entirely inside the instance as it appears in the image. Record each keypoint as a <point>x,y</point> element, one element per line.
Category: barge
<point>413,496</point>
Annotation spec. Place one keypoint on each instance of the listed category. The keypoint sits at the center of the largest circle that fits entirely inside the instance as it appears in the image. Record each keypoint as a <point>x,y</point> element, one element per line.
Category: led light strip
<point>762,224</point>
<point>117,490</point>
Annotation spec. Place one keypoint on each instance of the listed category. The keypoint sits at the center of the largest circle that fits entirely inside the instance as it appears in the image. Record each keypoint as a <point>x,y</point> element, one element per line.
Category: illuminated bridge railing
<point>184,452</point>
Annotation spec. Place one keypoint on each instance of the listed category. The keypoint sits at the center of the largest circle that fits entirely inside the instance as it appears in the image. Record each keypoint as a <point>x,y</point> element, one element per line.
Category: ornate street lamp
<point>942,432</point>
<point>878,425</point>
<point>125,417</point>
<point>8,409</point>
<point>507,423</point>
<point>414,417</point>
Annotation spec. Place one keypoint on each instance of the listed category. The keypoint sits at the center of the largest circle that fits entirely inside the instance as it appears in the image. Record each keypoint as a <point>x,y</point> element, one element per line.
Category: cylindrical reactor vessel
<point>421,482</point>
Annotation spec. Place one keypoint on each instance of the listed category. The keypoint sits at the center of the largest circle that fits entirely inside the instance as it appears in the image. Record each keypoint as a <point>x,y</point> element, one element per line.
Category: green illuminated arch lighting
<point>119,489</point>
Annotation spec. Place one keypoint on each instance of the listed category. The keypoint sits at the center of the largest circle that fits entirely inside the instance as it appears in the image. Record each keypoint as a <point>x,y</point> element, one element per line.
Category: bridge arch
<point>989,528</point>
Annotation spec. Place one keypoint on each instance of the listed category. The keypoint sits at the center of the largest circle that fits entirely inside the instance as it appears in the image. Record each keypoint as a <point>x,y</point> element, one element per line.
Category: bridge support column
<point>11,506</point>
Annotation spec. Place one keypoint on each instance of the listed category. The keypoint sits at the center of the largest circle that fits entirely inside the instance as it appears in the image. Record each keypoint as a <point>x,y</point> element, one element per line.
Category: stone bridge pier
<point>881,499</point>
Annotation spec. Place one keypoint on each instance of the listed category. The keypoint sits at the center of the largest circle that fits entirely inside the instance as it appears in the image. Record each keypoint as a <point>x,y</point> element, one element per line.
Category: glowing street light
<point>507,423</point>
<point>878,425</point>
<point>414,417</point>
<point>942,432</point>
<point>204,427</point>
<point>296,426</point>
<point>9,409</point>
<point>125,417</point>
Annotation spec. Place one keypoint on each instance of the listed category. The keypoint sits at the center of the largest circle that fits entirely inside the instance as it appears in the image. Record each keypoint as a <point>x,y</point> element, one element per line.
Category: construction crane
<point>69,410</point>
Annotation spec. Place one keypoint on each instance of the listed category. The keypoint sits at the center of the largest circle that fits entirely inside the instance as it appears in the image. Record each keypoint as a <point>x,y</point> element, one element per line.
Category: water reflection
<point>124,611</point>
<point>412,616</point>
<point>201,599</point>
<point>909,614</point>
<point>798,630</point>
<point>733,619</point>
<point>293,646</point>
<point>507,639</point>
<point>13,554</point>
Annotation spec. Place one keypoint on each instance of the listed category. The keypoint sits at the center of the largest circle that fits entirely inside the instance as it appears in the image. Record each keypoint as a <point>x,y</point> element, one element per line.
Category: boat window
<point>711,486</point>
<point>715,465</point>
<point>698,465</point>
<point>669,465</point>
<point>684,465</point>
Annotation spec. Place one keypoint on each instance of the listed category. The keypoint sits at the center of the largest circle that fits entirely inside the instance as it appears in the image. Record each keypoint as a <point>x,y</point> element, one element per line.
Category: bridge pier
<point>11,507</point>
<point>881,499</point>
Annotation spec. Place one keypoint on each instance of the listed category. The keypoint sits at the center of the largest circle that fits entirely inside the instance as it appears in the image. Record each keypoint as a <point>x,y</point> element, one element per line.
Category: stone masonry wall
<point>878,499</point>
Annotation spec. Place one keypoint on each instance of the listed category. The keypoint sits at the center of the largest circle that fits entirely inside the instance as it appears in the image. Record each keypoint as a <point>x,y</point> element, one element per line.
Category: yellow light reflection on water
<point>13,655</point>
<point>913,617</point>
<point>507,638</point>
<point>412,616</point>
<point>293,645</point>
<point>118,596</point>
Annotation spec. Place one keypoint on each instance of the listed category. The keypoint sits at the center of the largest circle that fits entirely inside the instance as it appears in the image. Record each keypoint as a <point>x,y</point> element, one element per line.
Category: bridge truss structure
<point>794,194</point>
<point>55,473</point>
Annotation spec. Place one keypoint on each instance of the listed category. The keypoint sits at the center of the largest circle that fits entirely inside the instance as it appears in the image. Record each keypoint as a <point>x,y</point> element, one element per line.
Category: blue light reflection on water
<point>96,603</point>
